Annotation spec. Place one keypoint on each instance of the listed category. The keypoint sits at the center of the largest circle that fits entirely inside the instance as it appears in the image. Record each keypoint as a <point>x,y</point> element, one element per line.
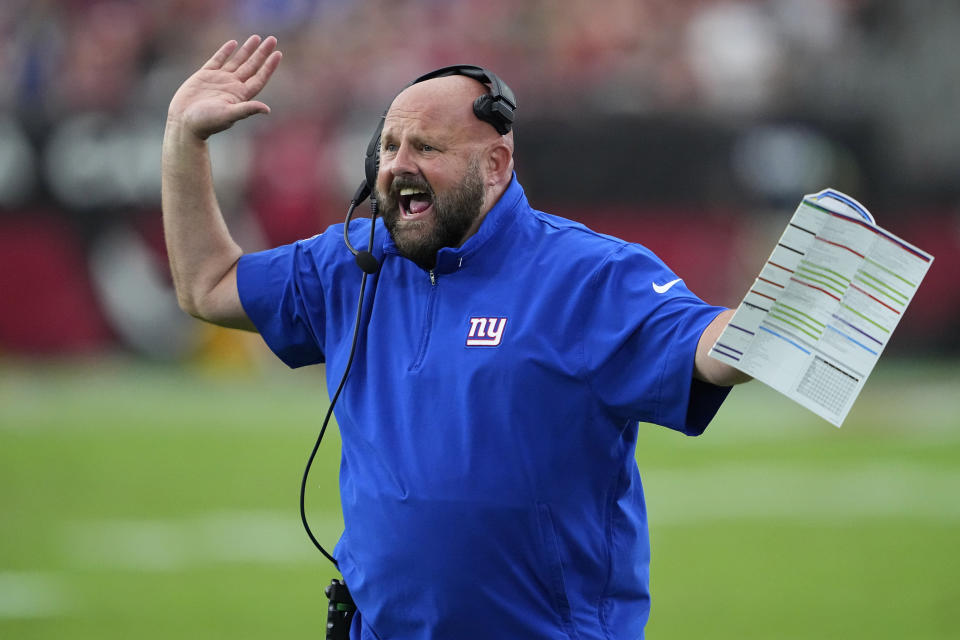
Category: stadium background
<point>149,464</point>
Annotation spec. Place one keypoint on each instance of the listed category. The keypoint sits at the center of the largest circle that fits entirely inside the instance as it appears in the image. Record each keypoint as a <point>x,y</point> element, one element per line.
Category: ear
<point>499,164</point>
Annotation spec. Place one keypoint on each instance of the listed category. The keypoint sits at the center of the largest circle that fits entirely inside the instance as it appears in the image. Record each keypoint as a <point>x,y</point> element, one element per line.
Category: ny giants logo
<point>485,332</point>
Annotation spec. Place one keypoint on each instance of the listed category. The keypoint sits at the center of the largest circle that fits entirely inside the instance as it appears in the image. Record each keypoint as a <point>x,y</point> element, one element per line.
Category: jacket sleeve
<point>640,342</point>
<point>282,291</point>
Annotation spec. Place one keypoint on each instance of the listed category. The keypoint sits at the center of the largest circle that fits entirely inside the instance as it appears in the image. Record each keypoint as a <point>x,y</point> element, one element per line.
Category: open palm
<point>222,90</point>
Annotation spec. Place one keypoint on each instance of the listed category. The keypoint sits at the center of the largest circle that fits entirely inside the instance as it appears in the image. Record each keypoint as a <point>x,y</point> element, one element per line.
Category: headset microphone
<point>365,260</point>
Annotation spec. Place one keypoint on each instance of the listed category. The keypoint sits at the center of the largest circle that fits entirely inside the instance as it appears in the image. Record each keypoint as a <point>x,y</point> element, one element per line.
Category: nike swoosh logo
<point>663,288</point>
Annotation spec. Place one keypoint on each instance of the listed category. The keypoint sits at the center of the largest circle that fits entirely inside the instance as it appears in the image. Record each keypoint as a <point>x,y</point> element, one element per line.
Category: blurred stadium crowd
<point>691,126</point>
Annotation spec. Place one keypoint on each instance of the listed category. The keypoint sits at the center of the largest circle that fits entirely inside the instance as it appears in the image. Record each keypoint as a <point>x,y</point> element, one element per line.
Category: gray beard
<point>453,215</point>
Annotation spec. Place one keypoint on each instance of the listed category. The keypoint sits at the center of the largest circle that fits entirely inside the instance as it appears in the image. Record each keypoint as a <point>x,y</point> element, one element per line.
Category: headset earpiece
<point>371,163</point>
<point>491,109</point>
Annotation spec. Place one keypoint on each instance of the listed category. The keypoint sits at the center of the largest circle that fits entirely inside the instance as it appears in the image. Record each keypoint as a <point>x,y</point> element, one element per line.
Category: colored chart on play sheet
<point>825,304</point>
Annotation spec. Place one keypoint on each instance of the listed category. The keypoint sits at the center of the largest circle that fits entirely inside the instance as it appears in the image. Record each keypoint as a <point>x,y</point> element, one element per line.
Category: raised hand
<point>221,92</point>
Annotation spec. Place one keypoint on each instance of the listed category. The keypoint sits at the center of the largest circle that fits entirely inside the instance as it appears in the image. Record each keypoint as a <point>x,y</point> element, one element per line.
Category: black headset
<point>496,108</point>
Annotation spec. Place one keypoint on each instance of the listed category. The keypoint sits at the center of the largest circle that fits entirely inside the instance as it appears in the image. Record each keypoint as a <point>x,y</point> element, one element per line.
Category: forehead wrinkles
<point>412,121</point>
<point>442,106</point>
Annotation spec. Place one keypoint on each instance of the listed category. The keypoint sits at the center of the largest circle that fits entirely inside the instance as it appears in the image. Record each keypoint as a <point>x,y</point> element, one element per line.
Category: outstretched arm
<point>203,255</point>
<point>710,369</point>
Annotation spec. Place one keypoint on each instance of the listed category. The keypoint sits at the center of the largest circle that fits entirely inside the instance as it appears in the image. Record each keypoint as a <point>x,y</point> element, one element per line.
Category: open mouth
<point>414,202</point>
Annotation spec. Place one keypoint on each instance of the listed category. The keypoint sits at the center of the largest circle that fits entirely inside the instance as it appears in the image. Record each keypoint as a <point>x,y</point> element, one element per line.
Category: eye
<point>427,147</point>
<point>388,146</point>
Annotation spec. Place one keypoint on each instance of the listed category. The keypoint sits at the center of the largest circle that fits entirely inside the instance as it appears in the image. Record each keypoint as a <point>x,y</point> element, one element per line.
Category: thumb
<point>246,109</point>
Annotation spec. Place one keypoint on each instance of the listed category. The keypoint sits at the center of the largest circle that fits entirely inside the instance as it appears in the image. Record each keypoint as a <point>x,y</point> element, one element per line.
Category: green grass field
<point>152,501</point>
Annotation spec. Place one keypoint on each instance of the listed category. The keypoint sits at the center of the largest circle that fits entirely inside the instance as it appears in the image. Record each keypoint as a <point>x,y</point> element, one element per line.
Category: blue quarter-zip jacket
<point>488,426</point>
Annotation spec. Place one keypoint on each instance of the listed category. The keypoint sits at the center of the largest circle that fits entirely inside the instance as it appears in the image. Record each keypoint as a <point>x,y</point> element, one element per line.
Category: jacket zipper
<point>427,324</point>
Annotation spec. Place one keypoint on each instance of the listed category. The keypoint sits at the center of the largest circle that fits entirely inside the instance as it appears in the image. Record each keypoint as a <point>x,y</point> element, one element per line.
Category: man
<point>506,356</point>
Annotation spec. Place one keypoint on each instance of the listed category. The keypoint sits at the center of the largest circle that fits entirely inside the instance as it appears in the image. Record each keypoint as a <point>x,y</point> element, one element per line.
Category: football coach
<point>504,358</point>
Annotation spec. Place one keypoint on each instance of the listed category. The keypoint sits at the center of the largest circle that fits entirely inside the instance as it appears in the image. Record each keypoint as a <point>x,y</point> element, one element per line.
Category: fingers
<point>221,55</point>
<point>260,78</point>
<point>242,54</point>
<point>256,60</point>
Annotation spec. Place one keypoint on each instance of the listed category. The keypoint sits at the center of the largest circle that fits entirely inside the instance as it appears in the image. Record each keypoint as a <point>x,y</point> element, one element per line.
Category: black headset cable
<point>333,400</point>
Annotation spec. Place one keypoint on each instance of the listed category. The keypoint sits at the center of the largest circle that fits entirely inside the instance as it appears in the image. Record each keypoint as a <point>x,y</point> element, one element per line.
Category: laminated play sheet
<point>824,305</point>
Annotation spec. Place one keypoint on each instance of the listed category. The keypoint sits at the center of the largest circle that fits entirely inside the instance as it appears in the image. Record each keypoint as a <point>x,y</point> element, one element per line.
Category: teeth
<point>409,191</point>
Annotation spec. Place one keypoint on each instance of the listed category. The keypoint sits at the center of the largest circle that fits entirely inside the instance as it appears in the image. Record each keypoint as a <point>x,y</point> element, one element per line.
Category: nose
<point>401,161</point>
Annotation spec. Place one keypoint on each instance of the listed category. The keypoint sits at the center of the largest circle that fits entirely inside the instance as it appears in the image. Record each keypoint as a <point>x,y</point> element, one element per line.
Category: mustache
<point>404,182</point>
